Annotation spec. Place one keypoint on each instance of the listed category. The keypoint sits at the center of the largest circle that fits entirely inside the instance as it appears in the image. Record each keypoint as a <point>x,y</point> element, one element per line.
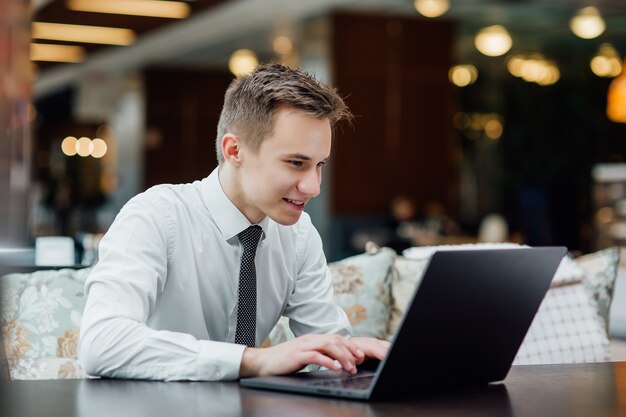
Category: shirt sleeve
<point>123,290</point>
<point>311,308</point>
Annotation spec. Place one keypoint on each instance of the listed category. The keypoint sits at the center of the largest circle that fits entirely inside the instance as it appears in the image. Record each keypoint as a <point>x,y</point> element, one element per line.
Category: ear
<point>231,149</point>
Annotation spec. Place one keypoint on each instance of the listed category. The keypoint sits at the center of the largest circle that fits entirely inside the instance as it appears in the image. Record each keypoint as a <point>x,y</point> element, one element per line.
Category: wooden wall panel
<point>182,110</point>
<point>393,71</point>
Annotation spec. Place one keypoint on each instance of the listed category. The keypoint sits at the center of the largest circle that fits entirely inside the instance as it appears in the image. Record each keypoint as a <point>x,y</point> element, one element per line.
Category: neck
<point>230,181</point>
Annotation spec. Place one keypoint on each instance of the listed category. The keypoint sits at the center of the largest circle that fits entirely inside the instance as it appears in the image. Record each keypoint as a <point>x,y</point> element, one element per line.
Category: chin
<point>286,220</point>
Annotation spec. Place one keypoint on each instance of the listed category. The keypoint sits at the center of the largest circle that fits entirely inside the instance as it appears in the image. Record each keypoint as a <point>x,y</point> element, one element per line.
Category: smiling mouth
<point>298,203</point>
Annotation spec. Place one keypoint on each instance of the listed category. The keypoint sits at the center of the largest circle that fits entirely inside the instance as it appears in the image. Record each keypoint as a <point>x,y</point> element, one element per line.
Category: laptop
<point>464,326</point>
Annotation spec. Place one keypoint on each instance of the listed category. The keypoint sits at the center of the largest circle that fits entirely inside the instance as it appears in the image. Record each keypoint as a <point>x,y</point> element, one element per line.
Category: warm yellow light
<point>242,62</point>
<point>463,75</point>
<point>431,8</point>
<point>152,8</point>
<point>493,40</point>
<point>282,45</point>
<point>600,65</point>
<point>587,23</point>
<point>477,121</point>
<point>82,34</point>
<point>605,215</point>
<point>553,76</point>
<point>616,67</point>
<point>99,148</point>
<point>535,69</point>
<point>56,53</point>
<point>616,100</point>
<point>607,62</point>
<point>494,128</point>
<point>68,146</point>
<point>514,65</point>
<point>84,147</point>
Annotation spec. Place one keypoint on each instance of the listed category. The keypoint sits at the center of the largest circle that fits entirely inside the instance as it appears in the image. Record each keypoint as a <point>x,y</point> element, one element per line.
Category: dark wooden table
<point>590,390</point>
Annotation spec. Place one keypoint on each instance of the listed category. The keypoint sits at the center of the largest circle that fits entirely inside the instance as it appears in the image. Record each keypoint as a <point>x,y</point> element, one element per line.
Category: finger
<point>373,348</point>
<point>356,351</point>
<point>347,353</point>
<point>334,346</point>
<point>316,358</point>
<point>379,349</point>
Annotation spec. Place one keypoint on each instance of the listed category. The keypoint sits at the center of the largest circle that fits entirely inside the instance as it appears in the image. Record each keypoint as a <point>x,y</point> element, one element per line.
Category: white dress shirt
<point>162,301</point>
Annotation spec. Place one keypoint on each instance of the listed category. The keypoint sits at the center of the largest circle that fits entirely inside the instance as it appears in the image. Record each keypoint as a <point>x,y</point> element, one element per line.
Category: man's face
<point>286,171</point>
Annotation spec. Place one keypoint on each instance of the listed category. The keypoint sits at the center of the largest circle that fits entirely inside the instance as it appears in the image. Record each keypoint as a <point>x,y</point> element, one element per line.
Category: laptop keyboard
<point>357,382</point>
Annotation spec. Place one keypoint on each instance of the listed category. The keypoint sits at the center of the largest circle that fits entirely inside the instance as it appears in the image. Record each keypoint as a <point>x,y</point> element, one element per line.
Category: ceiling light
<point>616,100</point>
<point>587,23</point>
<point>432,8</point>
<point>607,62</point>
<point>514,65</point>
<point>493,128</point>
<point>152,8</point>
<point>282,45</point>
<point>242,62</point>
<point>463,75</point>
<point>99,148</point>
<point>493,41</point>
<point>82,34</point>
<point>84,146</point>
<point>68,146</point>
<point>535,69</point>
<point>56,53</point>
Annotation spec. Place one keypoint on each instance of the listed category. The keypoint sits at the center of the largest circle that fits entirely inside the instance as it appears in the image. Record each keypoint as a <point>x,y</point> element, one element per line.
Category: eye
<point>295,163</point>
<point>321,164</point>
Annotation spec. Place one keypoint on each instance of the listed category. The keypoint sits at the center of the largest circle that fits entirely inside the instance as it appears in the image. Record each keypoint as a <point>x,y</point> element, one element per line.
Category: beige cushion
<point>361,287</point>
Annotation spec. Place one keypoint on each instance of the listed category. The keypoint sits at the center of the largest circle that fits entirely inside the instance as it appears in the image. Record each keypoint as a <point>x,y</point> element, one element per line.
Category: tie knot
<point>249,238</point>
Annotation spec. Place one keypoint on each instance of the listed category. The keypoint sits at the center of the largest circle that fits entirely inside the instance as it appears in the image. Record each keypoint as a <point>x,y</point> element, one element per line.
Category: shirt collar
<point>229,219</point>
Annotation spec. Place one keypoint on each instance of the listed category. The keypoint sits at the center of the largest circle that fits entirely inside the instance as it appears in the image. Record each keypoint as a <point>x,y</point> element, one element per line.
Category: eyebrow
<point>302,157</point>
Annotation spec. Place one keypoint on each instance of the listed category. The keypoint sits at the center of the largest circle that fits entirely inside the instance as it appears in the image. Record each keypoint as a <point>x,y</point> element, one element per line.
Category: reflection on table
<point>544,390</point>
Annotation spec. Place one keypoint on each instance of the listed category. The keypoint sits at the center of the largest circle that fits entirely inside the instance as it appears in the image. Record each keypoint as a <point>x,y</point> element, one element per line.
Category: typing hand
<point>331,351</point>
<point>373,348</point>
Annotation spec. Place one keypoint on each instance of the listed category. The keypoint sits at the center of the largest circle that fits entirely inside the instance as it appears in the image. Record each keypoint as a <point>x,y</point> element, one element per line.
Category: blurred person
<point>169,297</point>
<point>401,224</point>
<point>493,229</point>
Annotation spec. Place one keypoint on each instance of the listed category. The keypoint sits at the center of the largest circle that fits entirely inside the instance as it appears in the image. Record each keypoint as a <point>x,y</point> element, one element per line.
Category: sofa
<point>571,325</point>
<point>40,312</point>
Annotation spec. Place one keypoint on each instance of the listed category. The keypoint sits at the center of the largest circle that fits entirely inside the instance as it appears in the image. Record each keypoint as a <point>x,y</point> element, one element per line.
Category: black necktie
<point>245,334</point>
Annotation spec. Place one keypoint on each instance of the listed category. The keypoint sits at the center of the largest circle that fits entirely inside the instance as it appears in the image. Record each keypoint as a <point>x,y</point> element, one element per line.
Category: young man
<point>175,293</point>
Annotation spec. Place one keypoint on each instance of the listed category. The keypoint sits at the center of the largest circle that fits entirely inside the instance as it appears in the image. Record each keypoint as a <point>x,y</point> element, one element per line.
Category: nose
<point>310,183</point>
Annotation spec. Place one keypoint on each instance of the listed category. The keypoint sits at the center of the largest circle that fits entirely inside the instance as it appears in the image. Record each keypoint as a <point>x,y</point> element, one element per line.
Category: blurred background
<point>476,121</point>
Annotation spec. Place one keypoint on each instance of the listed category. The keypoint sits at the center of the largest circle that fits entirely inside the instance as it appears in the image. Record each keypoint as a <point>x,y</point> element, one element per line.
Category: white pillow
<point>567,327</point>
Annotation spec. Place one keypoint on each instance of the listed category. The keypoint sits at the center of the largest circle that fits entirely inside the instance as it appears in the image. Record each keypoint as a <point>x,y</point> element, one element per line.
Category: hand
<point>329,350</point>
<point>373,348</point>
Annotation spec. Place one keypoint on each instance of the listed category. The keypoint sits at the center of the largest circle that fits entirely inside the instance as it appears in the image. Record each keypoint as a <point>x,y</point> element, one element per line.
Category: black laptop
<point>465,324</point>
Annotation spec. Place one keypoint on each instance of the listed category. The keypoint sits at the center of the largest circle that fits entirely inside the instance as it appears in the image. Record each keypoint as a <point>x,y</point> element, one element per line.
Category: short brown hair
<point>252,100</point>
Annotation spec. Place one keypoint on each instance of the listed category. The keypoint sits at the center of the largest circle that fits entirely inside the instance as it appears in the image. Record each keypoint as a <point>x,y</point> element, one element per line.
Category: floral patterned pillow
<point>406,274</point>
<point>362,289</point>
<point>40,315</point>
<point>600,269</point>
